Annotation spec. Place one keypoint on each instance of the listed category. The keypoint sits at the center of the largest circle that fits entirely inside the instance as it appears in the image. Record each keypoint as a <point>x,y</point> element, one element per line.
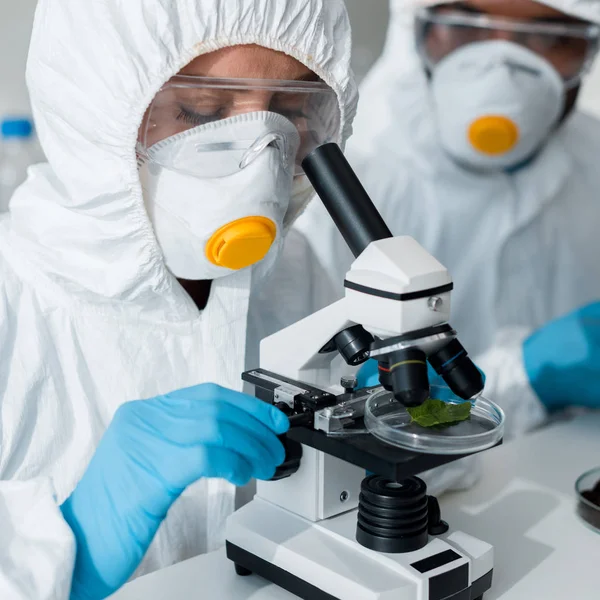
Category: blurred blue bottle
<point>16,156</point>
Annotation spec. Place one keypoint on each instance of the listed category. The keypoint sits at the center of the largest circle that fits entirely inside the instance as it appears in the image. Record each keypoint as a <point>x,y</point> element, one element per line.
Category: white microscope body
<point>302,530</point>
<point>304,526</point>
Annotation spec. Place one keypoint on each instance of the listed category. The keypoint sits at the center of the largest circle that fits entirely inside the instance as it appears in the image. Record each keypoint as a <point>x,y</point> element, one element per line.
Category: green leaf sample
<point>438,414</point>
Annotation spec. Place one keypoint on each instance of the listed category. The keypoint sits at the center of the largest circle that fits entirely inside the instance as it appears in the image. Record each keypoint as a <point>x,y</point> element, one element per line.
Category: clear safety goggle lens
<point>570,48</point>
<point>185,103</point>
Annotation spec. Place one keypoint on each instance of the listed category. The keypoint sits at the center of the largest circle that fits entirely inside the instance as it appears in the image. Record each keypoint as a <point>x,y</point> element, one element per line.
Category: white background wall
<point>16,17</point>
<point>369,18</point>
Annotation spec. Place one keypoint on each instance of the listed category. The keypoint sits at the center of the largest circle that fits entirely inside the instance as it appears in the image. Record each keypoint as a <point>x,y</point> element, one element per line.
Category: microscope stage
<point>370,454</point>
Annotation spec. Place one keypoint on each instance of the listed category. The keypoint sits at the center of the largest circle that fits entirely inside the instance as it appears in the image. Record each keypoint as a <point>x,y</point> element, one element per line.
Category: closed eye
<point>191,117</point>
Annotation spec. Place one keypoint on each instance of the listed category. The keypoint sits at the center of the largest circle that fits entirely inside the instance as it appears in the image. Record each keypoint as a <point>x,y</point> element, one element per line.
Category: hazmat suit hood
<point>93,69</point>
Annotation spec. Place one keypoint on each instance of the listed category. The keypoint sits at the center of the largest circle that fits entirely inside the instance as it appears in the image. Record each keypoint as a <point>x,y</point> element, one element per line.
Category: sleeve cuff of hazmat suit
<point>508,385</point>
<point>37,547</point>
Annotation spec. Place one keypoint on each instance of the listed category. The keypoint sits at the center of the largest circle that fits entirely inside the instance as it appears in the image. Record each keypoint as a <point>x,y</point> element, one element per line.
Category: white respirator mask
<point>217,194</point>
<point>496,103</point>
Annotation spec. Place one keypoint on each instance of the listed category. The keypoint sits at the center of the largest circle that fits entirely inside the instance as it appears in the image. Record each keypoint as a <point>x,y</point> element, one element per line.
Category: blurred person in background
<point>468,138</point>
<point>143,259</point>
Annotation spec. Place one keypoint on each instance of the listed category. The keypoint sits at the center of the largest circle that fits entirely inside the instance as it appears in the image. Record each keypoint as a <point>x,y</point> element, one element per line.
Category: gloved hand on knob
<point>151,452</point>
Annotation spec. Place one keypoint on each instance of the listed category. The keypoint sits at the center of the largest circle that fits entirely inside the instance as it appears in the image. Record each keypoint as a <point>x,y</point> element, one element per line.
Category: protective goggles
<point>188,103</point>
<point>570,48</point>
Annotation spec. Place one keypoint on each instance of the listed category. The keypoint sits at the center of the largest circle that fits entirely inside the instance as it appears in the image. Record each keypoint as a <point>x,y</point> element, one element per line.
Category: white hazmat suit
<point>89,316</point>
<point>522,247</point>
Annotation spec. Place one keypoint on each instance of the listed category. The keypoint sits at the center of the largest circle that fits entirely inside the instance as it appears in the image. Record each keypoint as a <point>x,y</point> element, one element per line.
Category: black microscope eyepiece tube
<point>345,198</point>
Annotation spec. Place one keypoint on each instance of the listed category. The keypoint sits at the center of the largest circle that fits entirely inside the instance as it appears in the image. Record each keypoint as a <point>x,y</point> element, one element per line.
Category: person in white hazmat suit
<point>140,260</point>
<point>468,139</point>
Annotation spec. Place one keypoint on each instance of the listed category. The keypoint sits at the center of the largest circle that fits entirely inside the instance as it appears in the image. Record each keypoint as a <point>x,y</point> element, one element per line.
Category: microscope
<point>345,517</point>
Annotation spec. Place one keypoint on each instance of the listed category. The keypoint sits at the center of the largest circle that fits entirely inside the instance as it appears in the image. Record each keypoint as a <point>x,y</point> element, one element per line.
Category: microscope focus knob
<point>293,456</point>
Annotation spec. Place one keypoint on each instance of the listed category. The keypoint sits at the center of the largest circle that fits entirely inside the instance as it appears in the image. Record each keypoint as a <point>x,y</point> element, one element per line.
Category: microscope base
<point>323,561</point>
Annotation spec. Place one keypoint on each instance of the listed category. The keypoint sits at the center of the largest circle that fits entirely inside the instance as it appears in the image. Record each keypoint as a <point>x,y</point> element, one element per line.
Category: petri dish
<point>588,488</point>
<point>389,421</point>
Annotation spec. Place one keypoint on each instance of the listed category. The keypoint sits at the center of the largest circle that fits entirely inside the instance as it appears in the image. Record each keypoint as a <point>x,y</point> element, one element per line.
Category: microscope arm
<point>295,351</point>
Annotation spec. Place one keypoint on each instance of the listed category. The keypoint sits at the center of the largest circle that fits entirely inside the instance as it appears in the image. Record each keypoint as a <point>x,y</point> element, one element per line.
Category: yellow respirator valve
<point>494,135</point>
<point>241,243</point>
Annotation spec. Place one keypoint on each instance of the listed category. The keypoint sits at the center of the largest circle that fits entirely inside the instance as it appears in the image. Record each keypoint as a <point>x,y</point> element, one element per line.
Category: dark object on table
<point>588,492</point>
<point>593,496</point>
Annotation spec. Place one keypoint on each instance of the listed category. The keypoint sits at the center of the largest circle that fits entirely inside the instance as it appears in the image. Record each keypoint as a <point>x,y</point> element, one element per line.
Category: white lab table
<point>524,506</point>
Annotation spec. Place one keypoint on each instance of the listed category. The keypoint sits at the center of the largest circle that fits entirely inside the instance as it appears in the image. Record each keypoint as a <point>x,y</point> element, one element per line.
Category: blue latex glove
<point>151,452</point>
<point>368,376</point>
<point>562,360</point>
